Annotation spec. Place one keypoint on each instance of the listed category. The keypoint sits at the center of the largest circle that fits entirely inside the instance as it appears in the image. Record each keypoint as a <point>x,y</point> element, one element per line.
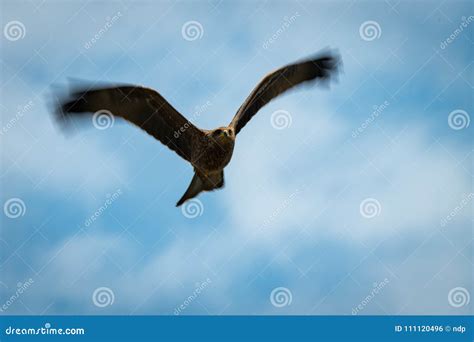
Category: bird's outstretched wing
<point>320,67</point>
<point>141,106</point>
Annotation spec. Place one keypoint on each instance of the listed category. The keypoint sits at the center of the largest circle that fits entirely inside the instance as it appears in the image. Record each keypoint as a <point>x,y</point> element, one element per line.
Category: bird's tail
<point>201,183</point>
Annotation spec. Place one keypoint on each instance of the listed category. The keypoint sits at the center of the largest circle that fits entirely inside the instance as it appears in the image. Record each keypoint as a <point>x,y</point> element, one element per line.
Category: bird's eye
<point>217,132</point>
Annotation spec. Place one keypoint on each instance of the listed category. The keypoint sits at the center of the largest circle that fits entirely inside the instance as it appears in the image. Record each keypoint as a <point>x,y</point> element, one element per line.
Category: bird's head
<point>223,134</point>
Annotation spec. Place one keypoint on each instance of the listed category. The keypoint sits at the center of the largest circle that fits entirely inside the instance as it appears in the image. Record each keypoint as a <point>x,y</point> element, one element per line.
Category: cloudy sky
<point>352,199</point>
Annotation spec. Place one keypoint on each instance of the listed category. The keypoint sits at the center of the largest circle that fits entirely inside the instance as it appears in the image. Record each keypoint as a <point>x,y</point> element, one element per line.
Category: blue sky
<point>294,211</point>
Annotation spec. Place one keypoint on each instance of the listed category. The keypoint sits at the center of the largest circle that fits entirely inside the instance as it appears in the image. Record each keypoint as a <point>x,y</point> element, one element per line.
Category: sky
<point>355,198</point>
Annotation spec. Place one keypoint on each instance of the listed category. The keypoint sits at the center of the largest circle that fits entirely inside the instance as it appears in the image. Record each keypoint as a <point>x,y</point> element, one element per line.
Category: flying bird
<point>208,151</point>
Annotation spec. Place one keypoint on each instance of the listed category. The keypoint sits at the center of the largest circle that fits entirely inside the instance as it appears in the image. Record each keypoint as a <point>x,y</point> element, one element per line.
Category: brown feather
<point>141,106</point>
<point>281,80</point>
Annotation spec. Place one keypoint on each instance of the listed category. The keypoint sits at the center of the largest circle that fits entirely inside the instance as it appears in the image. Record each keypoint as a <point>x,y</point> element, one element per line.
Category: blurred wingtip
<point>60,97</point>
<point>332,62</point>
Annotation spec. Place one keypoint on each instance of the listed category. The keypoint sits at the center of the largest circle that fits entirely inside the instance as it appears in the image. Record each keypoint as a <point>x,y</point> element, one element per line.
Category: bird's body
<point>208,151</point>
<point>216,153</point>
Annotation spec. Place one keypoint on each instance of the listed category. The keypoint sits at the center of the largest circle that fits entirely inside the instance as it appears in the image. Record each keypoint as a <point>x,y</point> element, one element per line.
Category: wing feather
<point>279,81</point>
<point>141,106</point>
